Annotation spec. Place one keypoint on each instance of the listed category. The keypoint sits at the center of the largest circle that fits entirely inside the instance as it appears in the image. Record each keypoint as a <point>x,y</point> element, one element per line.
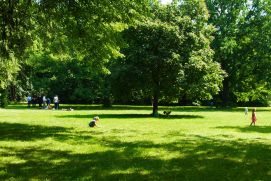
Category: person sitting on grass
<point>93,123</point>
<point>253,117</point>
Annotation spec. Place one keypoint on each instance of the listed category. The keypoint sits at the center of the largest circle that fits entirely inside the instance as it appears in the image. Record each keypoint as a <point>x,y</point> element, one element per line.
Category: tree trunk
<point>3,98</point>
<point>12,92</point>
<point>155,106</point>
<point>107,102</point>
<point>225,94</point>
<point>184,101</point>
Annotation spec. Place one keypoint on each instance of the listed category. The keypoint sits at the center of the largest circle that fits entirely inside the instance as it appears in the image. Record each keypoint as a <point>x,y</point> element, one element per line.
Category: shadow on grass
<point>197,158</point>
<point>137,107</point>
<point>25,132</point>
<point>85,107</point>
<point>125,116</point>
<point>258,129</point>
<point>214,109</point>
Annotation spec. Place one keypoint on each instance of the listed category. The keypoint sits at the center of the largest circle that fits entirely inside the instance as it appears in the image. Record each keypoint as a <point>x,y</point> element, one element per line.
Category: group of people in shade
<point>253,116</point>
<point>43,102</point>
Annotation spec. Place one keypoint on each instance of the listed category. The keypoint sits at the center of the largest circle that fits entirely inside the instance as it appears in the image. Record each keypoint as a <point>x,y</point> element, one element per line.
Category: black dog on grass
<point>167,113</point>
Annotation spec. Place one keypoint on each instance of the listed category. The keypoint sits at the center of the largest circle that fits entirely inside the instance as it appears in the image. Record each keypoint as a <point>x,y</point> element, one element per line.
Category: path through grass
<point>193,144</point>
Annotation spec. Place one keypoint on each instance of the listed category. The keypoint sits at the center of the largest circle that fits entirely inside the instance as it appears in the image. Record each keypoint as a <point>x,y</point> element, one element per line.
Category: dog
<point>167,113</point>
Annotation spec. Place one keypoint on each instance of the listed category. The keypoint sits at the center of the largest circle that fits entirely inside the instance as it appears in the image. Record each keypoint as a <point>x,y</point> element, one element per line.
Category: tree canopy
<point>169,56</point>
<point>241,45</point>
<point>99,51</point>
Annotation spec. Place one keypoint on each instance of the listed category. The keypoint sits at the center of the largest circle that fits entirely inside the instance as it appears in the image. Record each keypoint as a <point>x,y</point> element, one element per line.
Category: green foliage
<point>15,17</point>
<point>72,80</point>
<point>242,46</point>
<point>169,56</point>
<point>8,71</point>
<point>89,29</point>
<point>65,47</point>
<point>148,64</point>
<point>85,31</point>
<point>3,98</point>
<point>254,74</point>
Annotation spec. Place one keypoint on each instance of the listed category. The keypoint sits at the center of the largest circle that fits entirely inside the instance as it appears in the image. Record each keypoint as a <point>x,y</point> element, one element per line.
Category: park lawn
<point>194,143</point>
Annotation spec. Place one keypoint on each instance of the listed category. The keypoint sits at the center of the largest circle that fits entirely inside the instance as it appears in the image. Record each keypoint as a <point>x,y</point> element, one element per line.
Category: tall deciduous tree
<point>169,55</point>
<point>241,45</point>
<point>254,65</point>
<point>15,24</point>
<point>85,30</point>
<point>153,63</point>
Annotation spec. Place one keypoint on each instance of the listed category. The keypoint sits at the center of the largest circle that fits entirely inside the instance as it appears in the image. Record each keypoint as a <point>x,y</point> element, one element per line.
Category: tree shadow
<point>198,158</point>
<point>258,129</point>
<point>25,132</point>
<point>183,116</point>
<point>125,116</point>
<point>213,109</point>
<point>85,107</point>
<point>143,107</point>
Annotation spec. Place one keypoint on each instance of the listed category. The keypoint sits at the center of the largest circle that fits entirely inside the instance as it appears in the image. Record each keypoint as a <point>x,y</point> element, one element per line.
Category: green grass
<point>194,143</point>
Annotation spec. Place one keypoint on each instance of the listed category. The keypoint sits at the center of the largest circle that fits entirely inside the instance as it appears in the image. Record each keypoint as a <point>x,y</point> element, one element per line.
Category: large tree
<point>15,27</point>
<point>169,56</point>
<point>152,62</point>
<point>85,31</point>
<point>254,65</point>
<point>242,45</point>
<point>15,24</point>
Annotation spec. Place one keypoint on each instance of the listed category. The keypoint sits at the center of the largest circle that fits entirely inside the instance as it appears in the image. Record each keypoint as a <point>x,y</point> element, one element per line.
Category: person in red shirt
<point>253,117</point>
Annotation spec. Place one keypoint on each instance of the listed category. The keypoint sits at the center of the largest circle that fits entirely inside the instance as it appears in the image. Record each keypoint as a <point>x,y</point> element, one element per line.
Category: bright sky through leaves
<point>166,1</point>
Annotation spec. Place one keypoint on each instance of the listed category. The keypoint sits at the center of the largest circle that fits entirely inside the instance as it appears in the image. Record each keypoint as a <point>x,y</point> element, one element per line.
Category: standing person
<point>56,102</point>
<point>93,123</point>
<point>48,102</point>
<point>44,100</point>
<point>29,99</point>
<point>40,101</point>
<point>34,100</point>
<point>246,111</point>
<point>253,117</point>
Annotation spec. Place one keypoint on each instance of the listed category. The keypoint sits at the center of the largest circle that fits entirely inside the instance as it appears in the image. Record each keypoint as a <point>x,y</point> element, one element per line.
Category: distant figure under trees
<point>29,99</point>
<point>56,102</point>
<point>246,111</point>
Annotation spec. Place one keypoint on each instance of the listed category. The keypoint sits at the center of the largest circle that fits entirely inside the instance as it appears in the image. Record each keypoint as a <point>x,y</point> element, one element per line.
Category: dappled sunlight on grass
<point>130,145</point>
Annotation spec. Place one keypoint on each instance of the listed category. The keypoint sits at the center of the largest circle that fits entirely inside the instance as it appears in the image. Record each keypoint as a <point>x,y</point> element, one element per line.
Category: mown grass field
<point>194,143</point>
